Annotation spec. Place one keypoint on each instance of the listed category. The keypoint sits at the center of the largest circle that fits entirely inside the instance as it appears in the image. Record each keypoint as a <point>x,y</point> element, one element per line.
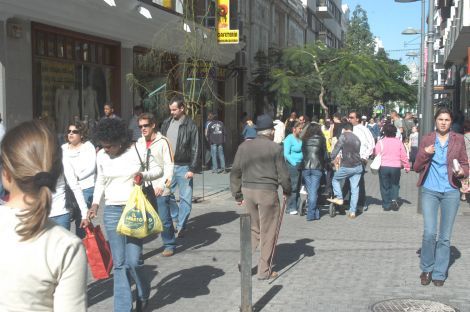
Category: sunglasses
<point>144,126</point>
<point>73,131</point>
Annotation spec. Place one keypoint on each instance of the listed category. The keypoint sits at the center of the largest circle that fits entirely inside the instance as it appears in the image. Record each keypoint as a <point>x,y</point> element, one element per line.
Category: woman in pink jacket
<point>393,159</point>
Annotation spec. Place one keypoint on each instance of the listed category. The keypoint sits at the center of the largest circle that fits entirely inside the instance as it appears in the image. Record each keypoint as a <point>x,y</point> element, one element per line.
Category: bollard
<point>245,263</point>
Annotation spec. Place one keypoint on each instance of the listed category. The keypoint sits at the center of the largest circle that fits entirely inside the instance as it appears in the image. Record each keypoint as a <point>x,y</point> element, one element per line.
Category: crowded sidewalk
<point>334,264</point>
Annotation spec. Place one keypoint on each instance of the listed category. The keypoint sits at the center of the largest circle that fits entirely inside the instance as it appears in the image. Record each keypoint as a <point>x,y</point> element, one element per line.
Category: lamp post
<point>426,100</point>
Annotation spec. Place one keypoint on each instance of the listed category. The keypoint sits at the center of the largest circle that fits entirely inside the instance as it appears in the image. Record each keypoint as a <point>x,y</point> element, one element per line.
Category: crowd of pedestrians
<point>49,186</point>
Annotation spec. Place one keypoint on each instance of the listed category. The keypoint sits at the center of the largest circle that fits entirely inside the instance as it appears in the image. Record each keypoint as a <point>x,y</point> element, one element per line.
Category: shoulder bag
<point>377,162</point>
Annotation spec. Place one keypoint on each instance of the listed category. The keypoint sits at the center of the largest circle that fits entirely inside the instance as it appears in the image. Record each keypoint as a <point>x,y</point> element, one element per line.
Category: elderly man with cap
<point>258,170</point>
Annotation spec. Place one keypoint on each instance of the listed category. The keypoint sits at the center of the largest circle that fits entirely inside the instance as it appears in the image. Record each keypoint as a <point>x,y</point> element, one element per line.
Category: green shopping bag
<point>139,219</point>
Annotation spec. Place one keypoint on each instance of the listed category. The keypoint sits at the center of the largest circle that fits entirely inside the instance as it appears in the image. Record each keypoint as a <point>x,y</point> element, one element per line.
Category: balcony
<point>457,34</point>
<point>325,9</point>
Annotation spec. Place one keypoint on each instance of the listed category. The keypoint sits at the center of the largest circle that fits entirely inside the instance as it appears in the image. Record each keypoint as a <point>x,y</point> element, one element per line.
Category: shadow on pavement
<point>199,232</point>
<point>187,283</point>
<point>103,289</point>
<point>267,297</point>
<point>287,254</point>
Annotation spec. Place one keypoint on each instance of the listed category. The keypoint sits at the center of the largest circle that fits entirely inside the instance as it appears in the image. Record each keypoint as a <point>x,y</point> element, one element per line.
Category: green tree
<point>359,38</point>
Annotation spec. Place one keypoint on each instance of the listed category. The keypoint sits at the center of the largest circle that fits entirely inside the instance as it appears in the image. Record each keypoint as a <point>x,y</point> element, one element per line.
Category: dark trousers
<point>389,178</point>
<point>293,200</point>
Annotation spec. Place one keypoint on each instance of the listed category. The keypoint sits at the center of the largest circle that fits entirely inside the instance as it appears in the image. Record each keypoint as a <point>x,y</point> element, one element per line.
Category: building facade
<point>453,56</point>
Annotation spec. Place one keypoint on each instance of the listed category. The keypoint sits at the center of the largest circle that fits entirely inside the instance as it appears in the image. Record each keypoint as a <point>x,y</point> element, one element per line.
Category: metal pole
<point>421,93</point>
<point>245,263</point>
<point>428,108</point>
<point>426,122</point>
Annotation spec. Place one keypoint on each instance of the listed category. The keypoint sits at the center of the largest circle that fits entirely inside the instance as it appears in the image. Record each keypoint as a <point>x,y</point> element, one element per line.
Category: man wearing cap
<point>258,170</point>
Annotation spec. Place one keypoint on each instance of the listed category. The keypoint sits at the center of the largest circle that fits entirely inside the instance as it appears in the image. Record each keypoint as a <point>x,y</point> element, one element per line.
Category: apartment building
<point>453,56</point>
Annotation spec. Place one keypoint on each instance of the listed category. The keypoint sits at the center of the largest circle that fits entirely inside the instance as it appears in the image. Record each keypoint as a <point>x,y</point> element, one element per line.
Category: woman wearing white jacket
<point>82,157</point>
<point>118,165</point>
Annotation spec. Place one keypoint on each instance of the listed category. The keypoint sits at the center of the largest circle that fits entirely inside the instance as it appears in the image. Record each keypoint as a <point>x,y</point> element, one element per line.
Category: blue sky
<point>387,19</point>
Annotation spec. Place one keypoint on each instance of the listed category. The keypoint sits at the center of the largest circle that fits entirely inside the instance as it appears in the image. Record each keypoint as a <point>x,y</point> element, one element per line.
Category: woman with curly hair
<point>82,156</point>
<point>44,266</point>
<point>118,164</point>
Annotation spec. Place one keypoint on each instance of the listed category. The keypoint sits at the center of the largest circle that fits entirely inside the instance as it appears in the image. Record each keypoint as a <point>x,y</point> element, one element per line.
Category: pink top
<point>394,153</point>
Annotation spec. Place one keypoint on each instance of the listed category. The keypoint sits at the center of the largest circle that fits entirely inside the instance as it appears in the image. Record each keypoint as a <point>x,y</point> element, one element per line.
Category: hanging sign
<point>225,35</point>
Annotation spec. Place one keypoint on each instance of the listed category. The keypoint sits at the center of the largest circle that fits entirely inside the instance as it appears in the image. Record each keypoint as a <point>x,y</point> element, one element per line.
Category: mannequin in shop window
<point>90,104</point>
<point>74,111</point>
<point>61,106</point>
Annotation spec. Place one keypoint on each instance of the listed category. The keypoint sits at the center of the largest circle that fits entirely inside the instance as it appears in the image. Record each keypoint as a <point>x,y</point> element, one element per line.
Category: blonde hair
<point>33,159</point>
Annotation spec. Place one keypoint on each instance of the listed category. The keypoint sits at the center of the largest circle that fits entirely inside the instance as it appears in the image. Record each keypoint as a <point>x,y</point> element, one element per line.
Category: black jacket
<point>314,153</point>
<point>187,146</point>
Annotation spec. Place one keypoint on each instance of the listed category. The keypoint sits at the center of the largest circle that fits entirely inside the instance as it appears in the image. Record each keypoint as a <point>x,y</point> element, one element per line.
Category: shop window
<point>50,45</point>
<point>41,44</point>
<point>73,76</point>
<point>60,47</point>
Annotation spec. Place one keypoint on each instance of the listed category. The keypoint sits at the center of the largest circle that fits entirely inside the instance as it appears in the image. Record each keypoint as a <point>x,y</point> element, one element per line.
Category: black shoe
<point>395,205</point>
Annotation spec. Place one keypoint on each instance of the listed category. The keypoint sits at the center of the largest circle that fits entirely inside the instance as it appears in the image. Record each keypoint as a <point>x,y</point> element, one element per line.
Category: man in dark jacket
<point>182,133</point>
<point>351,167</point>
<point>258,169</point>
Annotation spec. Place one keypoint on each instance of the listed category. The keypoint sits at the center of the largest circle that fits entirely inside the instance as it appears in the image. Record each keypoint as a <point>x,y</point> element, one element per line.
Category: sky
<point>387,19</point>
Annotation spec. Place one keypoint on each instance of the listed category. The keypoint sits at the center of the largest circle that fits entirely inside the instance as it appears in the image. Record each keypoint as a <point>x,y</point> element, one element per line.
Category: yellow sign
<point>223,14</point>
<point>229,36</point>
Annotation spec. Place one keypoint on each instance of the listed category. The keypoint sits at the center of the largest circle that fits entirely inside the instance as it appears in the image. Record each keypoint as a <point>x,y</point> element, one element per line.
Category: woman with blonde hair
<point>44,266</point>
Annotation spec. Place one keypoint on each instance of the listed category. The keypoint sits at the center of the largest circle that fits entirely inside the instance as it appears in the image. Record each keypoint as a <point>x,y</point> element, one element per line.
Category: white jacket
<point>115,176</point>
<point>83,161</point>
<point>163,155</point>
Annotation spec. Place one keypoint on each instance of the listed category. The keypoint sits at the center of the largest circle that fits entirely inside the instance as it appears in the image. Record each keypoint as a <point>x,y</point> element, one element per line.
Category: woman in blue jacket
<point>293,156</point>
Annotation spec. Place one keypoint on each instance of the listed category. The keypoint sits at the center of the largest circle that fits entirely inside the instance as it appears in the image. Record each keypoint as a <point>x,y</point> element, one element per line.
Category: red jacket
<point>455,150</point>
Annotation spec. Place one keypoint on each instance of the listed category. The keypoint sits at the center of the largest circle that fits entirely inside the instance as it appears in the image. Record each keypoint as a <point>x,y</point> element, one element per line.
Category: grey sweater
<point>259,164</point>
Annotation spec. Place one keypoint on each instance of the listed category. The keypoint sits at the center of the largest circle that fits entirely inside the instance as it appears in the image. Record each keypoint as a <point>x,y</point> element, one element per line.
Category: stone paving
<point>334,264</point>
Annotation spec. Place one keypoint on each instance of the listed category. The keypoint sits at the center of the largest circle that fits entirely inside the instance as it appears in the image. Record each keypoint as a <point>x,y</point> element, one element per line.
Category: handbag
<point>147,188</point>
<point>139,219</point>
<point>98,252</point>
<point>71,203</point>
<point>377,162</point>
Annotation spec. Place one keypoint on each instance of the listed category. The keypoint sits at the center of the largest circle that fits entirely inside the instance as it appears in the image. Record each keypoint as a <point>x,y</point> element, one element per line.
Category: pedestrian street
<point>334,264</point>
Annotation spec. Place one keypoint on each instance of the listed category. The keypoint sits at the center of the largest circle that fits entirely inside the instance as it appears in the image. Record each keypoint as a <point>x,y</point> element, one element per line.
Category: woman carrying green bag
<point>117,166</point>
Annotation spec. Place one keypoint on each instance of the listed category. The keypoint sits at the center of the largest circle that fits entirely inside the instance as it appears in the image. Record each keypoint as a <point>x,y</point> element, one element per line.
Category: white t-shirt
<point>46,273</point>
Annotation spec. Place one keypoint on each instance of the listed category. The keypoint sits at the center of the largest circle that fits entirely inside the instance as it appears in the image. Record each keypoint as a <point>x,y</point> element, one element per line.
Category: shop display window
<point>70,79</point>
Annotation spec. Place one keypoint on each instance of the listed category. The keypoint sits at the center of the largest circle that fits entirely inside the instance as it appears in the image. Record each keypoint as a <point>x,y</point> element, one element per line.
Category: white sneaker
<point>335,201</point>
<point>293,212</point>
<point>303,191</point>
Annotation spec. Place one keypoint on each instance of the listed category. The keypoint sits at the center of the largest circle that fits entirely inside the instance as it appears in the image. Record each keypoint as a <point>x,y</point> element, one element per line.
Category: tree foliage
<point>351,77</point>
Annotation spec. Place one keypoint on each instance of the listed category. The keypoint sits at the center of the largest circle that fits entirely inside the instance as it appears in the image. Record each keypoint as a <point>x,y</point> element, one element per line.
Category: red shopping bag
<point>98,252</point>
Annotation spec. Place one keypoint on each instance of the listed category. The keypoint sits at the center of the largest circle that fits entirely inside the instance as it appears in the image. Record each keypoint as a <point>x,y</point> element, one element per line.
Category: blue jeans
<point>88,195</point>
<point>312,179</point>
<point>435,255</point>
<point>389,178</point>
<point>62,220</point>
<point>293,200</point>
<point>168,234</point>
<point>354,176</point>
<point>217,151</point>
<point>126,252</point>
<point>180,214</point>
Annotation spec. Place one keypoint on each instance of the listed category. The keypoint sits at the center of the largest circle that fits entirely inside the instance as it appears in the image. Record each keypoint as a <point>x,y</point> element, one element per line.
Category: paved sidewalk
<point>334,264</point>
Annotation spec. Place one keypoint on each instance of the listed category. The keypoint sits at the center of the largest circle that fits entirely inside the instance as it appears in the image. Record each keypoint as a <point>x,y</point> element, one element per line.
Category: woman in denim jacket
<point>438,179</point>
